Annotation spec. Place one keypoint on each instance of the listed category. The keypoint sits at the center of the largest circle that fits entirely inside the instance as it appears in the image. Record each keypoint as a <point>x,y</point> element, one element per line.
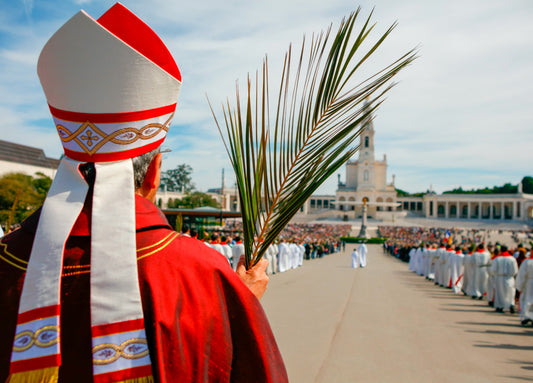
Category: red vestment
<point>203,324</point>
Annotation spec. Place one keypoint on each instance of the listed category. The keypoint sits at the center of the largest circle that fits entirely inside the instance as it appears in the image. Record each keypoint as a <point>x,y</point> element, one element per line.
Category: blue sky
<point>461,115</point>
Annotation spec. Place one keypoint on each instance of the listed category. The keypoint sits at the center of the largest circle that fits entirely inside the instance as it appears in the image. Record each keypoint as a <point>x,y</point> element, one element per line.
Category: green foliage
<point>42,184</point>
<point>320,111</point>
<point>370,241</point>
<point>527,185</point>
<point>193,200</point>
<point>505,189</point>
<point>401,193</point>
<point>21,195</point>
<point>178,179</point>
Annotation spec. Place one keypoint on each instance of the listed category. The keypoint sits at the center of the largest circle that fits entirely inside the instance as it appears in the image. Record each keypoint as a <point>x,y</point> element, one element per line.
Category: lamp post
<point>362,232</point>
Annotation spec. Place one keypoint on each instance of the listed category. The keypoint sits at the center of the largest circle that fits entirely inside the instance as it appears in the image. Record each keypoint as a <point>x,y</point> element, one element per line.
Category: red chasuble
<point>203,324</point>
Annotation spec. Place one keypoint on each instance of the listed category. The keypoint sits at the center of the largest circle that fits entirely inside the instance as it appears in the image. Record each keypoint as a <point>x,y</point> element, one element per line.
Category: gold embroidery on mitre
<point>89,138</point>
<point>88,134</point>
<point>107,353</point>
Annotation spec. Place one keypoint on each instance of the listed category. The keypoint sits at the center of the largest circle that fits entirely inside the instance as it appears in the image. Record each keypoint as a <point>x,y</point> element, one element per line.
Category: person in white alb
<point>293,255</point>
<point>302,254</point>
<point>275,252</point>
<point>480,261</point>
<point>283,256</point>
<point>425,262</point>
<point>524,284</point>
<point>238,250</point>
<point>457,270</point>
<point>226,249</point>
<point>447,267</point>
<point>504,268</point>
<point>362,250</point>
<point>431,264</point>
<point>438,265</point>
<point>419,260</point>
<point>355,259</point>
<point>467,273</point>
<point>491,281</point>
<point>268,256</point>
<point>412,259</point>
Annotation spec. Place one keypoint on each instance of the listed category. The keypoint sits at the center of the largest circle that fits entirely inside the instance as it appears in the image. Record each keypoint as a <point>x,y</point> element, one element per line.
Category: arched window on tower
<point>366,175</point>
<point>367,141</point>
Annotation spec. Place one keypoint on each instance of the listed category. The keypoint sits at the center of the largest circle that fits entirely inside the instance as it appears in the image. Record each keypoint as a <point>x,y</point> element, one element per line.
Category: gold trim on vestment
<point>161,243</point>
<point>159,248</point>
<point>155,244</point>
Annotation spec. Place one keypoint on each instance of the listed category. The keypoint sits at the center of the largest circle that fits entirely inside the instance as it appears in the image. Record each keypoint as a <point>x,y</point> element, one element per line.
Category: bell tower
<point>366,148</point>
<point>366,177</point>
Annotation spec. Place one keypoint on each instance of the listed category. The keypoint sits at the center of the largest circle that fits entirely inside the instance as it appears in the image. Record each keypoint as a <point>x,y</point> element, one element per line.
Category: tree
<point>21,195</point>
<point>527,185</point>
<point>402,193</point>
<point>178,179</point>
<point>196,199</point>
<point>505,189</point>
<point>42,184</point>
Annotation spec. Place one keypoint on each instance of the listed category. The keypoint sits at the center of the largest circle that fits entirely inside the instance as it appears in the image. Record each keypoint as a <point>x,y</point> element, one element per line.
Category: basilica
<point>366,181</point>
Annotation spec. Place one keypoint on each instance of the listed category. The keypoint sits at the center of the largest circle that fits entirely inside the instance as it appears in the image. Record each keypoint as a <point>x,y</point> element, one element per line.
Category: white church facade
<point>366,180</point>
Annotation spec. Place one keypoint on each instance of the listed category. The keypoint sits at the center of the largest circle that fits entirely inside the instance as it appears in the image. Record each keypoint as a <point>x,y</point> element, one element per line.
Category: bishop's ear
<point>152,178</point>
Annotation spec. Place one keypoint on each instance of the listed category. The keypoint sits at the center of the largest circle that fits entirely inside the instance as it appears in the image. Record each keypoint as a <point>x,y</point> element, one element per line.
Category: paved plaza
<point>383,323</point>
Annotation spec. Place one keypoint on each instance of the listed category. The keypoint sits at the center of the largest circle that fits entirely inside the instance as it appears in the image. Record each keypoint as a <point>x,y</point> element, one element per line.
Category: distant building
<point>16,158</point>
<point>502,207</point>
<point>366,179</point>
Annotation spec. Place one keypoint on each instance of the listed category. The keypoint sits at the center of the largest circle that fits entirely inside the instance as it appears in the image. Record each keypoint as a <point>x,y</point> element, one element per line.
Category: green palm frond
<point>317,118</point>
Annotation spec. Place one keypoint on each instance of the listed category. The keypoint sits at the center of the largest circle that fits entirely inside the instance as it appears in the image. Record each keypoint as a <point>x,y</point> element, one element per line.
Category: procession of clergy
<point>295,243</point>
<point>482,274</point>
<point>281,256</point>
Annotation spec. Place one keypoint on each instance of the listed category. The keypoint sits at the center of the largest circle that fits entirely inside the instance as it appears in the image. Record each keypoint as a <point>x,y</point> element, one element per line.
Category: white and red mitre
<point>112,88</point>
<point>111,84</point>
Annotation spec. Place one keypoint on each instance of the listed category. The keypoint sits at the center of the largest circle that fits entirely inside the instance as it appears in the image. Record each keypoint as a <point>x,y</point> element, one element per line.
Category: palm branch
<point>318,116</point>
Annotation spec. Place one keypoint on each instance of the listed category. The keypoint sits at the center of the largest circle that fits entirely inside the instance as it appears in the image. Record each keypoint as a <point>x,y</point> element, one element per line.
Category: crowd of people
<point>459,260</point>
<point>295,243</point>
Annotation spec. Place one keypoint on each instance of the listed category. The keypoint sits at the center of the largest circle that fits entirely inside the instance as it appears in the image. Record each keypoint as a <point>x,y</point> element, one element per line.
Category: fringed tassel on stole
<point>144,379</point>
<point>43,375</point>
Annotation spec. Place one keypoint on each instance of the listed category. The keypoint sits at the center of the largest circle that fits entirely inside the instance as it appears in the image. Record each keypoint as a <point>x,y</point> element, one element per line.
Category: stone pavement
<point>383,323</point>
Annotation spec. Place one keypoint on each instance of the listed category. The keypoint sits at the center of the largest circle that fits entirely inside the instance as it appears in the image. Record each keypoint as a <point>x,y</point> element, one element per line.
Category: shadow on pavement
<point>466,304</point>
<point>525,365</point>
<point>523,378</point>
<point>525,333</point>
<point>517,325</point>
<point>442,296</point>
<point>469,311</point>
<point>506,347</point>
